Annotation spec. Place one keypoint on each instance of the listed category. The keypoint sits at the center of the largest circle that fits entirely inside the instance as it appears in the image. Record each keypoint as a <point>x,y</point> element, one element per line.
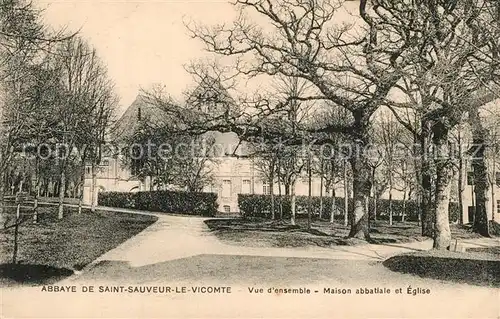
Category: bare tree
<point>266,160</point>
<point>194,169</point>
<point>88,103</point>
<point>313,49</point>
<point>448,68</point>
<point>22,36</point>
<point>388,132</point>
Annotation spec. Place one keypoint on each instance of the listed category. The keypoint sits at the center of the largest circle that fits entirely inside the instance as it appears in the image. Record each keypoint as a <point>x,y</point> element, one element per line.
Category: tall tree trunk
<point>321,191</point>
<point>346,196</point>
<point>37,191</point>
<point>444,175</point>
<point>419,205</point>
<point>93,188</point>
<point>292,202</point>
<point>473,201</point>
<point>35,203</point>
<point>16,238</point>
<point>67,187</point>
<point>390,199</point>
<point>81,190</point>
<point>493,201</point>
<point>279,191</point>
<point>12,186</point>
<point>62,190</point>
<point>373,192</point>
<point>426,211</point>
<point>4,164</point>
<point>50,187</point>
<point>404,206</point>
<point>17,224</point>
<point>479,134</point>
<point>280,198</point>
<point>42,187</point>
<point>361,177</point>
<point>442,228</point>
<point>271,190</point>
<point>461,173</point>
<point>493,185</point>
<point>309,196</point>
<point>3,217</point>
<point>361,195</point>
<point>334,206</point>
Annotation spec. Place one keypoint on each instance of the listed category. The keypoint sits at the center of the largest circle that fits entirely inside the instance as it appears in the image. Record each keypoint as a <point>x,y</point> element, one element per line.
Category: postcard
<point>249,159</point>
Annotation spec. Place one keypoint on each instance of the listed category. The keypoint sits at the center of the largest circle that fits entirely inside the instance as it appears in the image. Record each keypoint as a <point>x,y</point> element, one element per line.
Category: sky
<point>141,42</point>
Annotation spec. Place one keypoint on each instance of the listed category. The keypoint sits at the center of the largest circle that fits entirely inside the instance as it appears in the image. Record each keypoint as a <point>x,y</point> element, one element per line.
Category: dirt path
<point>176,237</point>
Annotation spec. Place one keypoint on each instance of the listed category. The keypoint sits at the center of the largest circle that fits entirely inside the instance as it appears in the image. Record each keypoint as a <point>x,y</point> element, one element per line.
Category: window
<point>136,168</point>
<point>498,206</point>
<point>497,178</point>
<point>227,209</point>
<point>266,189</point>
<point>88,170</point>
<point>470,213</point>
<point>470,178</point>
<point>226,188</point>
<point>101,169</point>
<point>245,188</point>
<point>105,162</point>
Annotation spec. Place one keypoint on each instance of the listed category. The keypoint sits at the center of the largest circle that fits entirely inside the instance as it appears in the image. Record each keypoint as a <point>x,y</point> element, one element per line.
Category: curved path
<point>175,237</point>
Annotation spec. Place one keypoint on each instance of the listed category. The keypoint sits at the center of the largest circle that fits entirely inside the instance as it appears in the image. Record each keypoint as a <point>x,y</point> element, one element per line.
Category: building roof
<point>226,143</point>
<point>129,121</point>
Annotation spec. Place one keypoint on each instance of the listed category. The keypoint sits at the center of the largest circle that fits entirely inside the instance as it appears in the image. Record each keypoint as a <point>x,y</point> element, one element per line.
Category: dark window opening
<point>470,213</point>
<point>470,178</point>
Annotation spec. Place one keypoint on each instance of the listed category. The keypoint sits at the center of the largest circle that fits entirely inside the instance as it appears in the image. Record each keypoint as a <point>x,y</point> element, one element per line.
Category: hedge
<point>174,202</point>
<point>260,206</point>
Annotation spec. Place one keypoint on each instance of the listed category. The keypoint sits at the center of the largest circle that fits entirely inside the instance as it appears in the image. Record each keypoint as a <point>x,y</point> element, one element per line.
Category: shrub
<point>260,206</point>
<point>189,203</point>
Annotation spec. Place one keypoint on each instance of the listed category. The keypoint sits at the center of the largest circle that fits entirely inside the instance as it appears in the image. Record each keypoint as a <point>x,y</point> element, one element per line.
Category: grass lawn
<point>476,267</point>
<point>53,247</point>
<point>266,233</point>
<point>489,250</point>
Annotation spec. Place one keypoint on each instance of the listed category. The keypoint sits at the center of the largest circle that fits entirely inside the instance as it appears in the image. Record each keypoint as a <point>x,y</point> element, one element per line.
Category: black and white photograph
<point>250,159</point>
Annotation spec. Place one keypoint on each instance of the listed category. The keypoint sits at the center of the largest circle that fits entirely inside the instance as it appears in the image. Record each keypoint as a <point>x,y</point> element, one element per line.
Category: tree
<point>85,109</point>
<point>494,156</point>
<point>379,181</point>
<point>266,160</point>
<point>22,38</point>
<point>144,155</point>
<point>333,154</point>
<point>314,48</point>
<point>194,168</point>
<point>388,131</point>
<point>448,67</point>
